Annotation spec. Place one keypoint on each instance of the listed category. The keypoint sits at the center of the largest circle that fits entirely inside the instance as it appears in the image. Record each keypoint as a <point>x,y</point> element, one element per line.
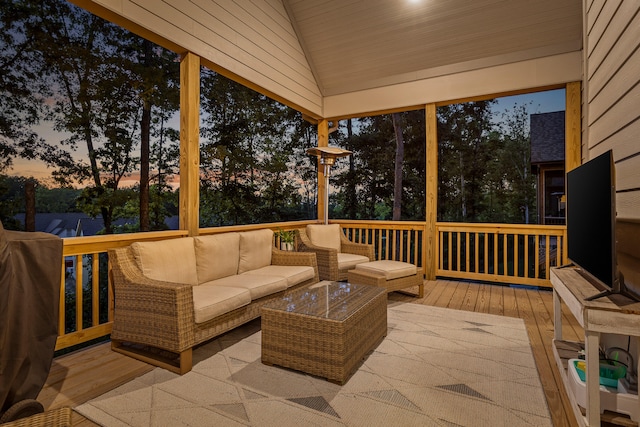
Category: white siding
<point>612,64</point>
<point>253,39</point>
<point>558,69</point>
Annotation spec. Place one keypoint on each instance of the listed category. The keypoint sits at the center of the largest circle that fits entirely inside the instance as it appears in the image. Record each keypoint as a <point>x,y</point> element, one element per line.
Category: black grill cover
<point>30,269</point>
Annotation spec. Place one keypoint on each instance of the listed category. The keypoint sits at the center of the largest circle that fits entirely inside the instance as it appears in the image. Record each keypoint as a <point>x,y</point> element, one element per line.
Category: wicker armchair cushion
<point>389,269</point>
<point>170,260</point>
<point>211,301</point>
<point>326,236</point>
<point>217,256</point>
<point>255,249</point>
<point>349,261</point>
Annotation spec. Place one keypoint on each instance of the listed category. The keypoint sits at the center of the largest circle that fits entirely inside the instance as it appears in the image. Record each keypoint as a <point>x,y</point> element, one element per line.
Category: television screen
<point>591,218</point>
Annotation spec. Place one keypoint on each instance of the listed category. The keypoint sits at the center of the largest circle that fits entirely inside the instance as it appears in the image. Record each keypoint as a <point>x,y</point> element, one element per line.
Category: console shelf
<point>615,314</point>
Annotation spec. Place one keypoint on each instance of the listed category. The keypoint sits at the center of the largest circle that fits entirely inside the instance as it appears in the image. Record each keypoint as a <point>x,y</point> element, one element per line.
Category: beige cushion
<point>389,269</point>
<point>172,260</point>
<point>258,286</point>
<point>349,261</point>
<point>255,249</point>
<point>217,256</point>
<point>326,236</point>
<point>211,301</point>
<point>293,273</point>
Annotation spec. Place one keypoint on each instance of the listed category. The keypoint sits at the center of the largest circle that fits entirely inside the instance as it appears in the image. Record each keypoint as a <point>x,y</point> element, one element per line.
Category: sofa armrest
<point>147,311</point>
<point>279,257</point>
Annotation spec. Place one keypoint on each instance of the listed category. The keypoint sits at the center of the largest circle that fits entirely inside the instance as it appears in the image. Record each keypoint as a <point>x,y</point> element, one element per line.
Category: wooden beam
<point>190,143</point>
<point>323,141</point>
<point>573,128</point>
<point>431,192</point>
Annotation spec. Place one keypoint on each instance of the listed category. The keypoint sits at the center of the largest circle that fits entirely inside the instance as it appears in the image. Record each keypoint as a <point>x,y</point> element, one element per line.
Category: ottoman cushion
<point>389,269</point>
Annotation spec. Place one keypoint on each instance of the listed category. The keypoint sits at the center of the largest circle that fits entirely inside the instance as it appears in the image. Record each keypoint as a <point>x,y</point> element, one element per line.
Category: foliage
<point>365,189</point>
<point>104,88</point>
<point>247,147</point>
<point>286,236</point>
<point>484,168</point>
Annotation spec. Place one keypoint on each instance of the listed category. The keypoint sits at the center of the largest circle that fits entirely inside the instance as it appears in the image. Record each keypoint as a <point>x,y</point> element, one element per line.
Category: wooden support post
<point>573,128</point>
<point>190,143</point>
<point>323,141</point>
<point>572,137</point>
<point>430,249</point>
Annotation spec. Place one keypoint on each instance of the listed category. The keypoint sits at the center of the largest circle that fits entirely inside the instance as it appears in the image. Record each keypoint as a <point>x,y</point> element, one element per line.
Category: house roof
<point>547,137</point>
<point>355,45</point>
<point>68,224</point>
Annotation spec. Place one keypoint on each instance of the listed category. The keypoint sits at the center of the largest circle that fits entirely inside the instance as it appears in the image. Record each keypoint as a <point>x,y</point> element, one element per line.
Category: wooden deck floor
<point>81,376</point>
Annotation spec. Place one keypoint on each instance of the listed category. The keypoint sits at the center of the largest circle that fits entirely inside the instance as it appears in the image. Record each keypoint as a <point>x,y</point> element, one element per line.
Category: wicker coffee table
<point>326,329</point>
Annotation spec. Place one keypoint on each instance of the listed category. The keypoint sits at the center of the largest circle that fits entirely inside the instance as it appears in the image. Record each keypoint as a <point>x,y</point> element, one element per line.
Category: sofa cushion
<point>293,273</point>
<point>326,236</point>
<point>389,269</point>
<point>255,249</point>
<point>217,256</point>
<point>211,301</point>
<point>172,260</point>
<point>258,286</point>
<point>349,261</point>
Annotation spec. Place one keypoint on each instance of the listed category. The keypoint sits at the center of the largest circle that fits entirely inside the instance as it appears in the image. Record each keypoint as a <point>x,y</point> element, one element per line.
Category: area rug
<point>436,367</point>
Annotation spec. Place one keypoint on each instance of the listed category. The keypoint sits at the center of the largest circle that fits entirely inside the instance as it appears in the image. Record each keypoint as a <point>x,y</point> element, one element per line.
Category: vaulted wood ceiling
<point>359,44</point>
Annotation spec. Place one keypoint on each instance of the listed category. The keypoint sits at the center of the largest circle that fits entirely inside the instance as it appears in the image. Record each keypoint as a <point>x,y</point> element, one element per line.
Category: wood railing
<point>507,253</point>
<point>468,251</point>
<point>393,240</point>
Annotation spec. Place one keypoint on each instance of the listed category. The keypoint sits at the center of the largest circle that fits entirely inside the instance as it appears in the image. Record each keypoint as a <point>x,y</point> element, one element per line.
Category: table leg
<point>592,348</point>
<point>557,316</point>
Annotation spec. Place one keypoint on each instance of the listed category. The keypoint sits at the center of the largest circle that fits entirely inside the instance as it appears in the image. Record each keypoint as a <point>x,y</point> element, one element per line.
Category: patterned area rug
<point>436,367</point>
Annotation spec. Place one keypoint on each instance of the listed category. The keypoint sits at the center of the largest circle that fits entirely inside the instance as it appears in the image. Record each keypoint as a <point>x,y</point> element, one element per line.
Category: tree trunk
<point>30,205</point>
<point>397,184</point>
<point>352,201</point>
<point>145,130</point>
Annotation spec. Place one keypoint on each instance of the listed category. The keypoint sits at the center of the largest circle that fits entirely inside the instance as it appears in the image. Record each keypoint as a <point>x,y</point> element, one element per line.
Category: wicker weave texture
<point>327,258</point>
<point>366,278</point>
<point>60,417</point>
<point>160,315</point>
<point>322,346</point>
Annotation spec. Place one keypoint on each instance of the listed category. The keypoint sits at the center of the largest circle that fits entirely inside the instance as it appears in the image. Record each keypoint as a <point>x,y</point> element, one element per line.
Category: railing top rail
<point>457,226</point>
<point>380,224</point>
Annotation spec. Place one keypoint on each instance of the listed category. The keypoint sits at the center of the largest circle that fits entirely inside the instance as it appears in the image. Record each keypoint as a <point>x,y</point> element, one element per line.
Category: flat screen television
<point>591,219</point>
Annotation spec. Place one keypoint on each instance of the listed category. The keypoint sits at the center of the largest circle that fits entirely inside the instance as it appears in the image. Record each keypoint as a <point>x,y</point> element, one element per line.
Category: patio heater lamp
<point>328,156</point>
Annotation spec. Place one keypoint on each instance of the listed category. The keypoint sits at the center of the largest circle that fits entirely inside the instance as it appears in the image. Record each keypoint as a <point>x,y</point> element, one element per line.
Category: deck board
<point>75,378</point>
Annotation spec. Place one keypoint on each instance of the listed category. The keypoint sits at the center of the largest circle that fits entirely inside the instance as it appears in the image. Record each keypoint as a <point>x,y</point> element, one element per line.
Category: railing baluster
<point>95,289</point>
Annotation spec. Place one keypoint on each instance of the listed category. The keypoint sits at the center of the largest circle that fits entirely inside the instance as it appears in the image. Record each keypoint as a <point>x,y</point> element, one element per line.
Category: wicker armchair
<point>335,253</point>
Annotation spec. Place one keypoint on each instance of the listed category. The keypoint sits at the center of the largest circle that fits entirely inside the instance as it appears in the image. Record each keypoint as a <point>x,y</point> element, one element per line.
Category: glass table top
<point>330,300</point>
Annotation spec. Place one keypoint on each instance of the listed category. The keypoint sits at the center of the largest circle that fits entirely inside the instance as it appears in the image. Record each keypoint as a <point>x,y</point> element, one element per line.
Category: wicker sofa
<point>173,294</point>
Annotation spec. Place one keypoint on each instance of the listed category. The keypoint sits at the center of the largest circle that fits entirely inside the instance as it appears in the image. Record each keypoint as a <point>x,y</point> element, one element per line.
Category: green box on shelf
<point>609,374</point>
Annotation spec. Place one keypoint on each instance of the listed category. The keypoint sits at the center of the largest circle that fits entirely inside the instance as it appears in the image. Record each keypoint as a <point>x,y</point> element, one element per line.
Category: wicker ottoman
<point>392,275</point>
<point>325,330</point>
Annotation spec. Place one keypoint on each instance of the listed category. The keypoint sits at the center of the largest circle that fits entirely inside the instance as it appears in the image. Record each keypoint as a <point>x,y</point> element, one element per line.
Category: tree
<point>105,84</point>
<point>247,149</point>
<point>463,151</point>
<point>397,176</point>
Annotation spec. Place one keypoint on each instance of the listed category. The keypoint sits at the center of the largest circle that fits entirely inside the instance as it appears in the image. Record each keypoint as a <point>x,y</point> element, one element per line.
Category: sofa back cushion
<point>172,260</point>
<point>326,236</point>
<point>217,256</point>
<point>255,249</point>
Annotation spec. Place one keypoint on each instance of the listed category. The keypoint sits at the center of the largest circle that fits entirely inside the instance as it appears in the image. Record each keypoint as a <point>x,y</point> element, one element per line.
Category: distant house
<point>547,162</point>
<point>76,224</point>
<point>80,224</point>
